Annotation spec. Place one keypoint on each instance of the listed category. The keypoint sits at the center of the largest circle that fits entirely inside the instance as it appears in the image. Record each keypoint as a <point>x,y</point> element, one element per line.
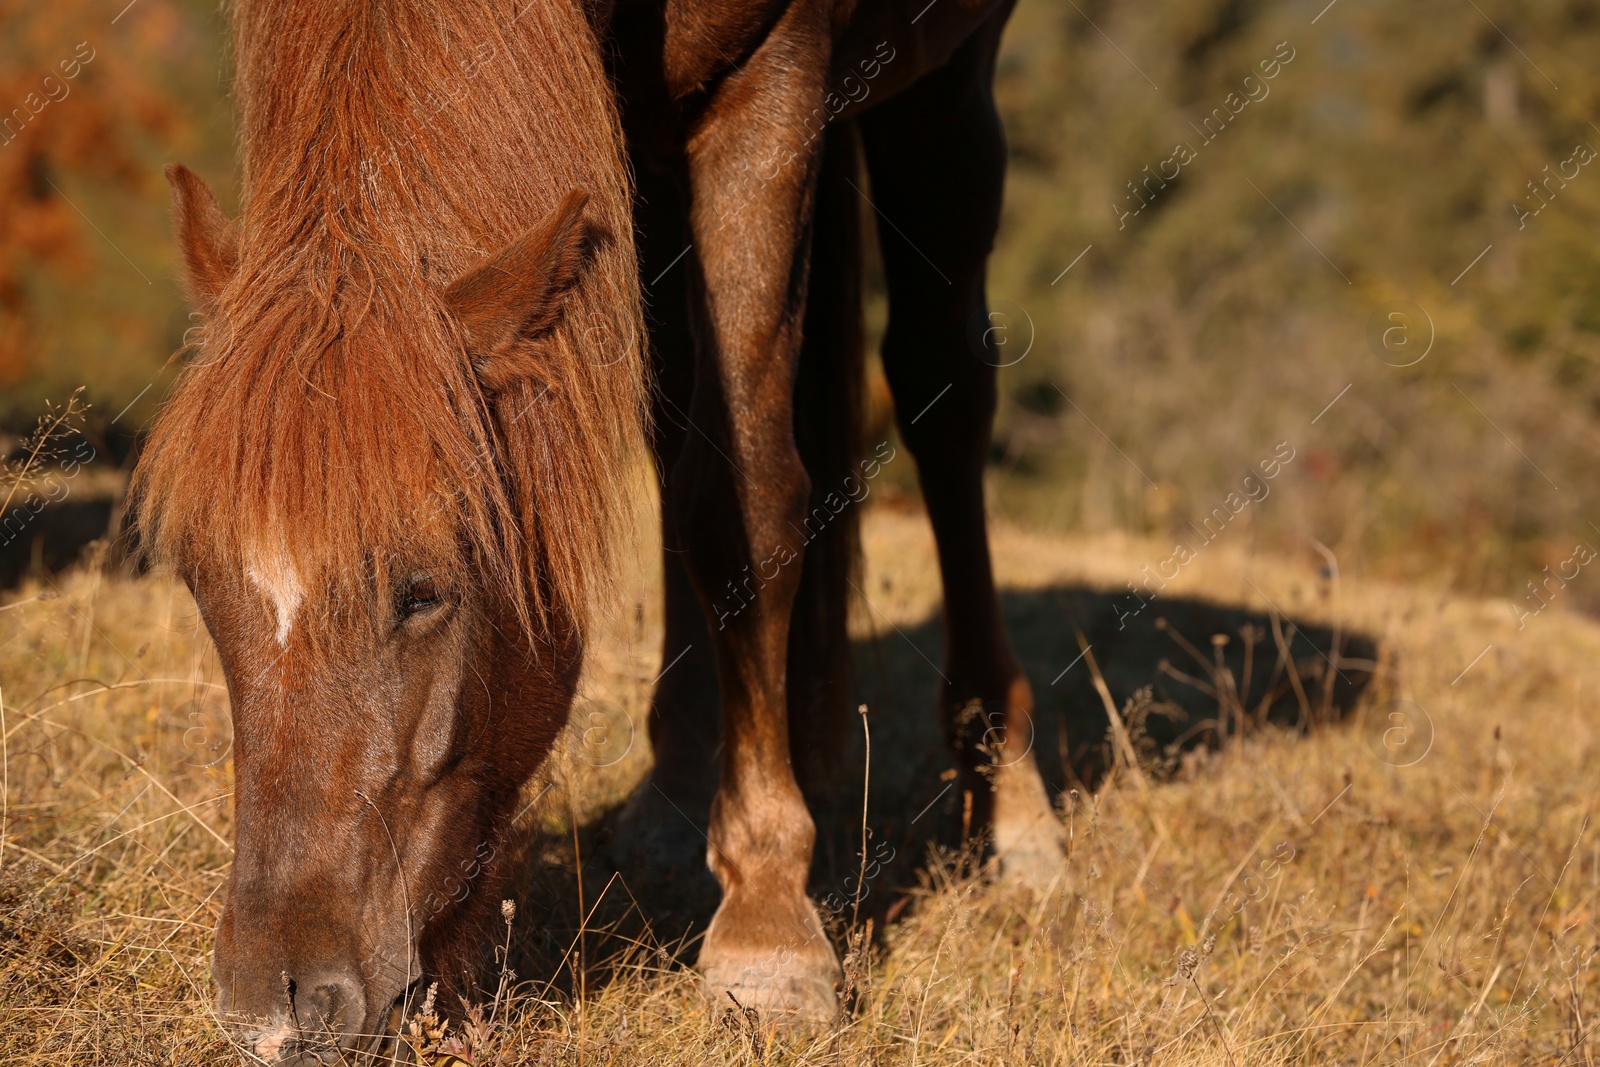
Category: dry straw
<point>1438,913</point>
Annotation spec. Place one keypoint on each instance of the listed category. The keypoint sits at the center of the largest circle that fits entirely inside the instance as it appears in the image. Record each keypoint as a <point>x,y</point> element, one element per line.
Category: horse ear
<point>519,291</point>
<point>206,237</point>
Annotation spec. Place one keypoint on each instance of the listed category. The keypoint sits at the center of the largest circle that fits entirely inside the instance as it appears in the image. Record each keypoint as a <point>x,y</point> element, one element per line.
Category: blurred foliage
<point>1227,314</point>
<point>1176,353</point>
<point>94,99</point>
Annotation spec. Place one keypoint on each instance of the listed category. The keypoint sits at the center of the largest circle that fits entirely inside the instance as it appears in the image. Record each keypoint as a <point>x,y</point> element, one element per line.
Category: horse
<point>489,254</point>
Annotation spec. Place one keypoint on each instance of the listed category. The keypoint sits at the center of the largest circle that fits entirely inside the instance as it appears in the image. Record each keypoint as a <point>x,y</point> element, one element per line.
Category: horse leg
<point>739,495</point>
<point>936,156</point>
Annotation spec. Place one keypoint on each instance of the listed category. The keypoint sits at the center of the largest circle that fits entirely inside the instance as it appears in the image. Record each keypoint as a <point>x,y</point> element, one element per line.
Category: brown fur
<point>332,415</point>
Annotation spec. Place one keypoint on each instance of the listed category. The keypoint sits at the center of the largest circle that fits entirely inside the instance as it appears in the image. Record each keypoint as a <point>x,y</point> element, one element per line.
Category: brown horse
<point>393,473</point>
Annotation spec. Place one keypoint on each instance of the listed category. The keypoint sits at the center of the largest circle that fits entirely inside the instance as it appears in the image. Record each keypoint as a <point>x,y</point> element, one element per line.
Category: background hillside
<point>1392,146</point>
<point>1377,166</point>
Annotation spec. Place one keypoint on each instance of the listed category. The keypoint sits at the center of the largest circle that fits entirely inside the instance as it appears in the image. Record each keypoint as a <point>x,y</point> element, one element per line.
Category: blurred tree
<point>92,100</point>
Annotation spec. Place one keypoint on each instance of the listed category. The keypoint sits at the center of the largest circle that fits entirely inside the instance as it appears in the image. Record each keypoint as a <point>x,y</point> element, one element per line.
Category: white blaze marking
<point>281,584</point>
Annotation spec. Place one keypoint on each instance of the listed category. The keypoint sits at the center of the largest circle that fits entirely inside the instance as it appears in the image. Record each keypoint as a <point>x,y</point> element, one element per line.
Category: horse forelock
<point>332,428</point>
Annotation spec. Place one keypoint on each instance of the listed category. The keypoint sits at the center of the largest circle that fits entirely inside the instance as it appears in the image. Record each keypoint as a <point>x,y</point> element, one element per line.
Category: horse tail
<point>828,415</point>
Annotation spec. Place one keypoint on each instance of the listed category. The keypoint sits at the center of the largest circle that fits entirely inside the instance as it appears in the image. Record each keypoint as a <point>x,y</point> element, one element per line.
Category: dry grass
<point>1282,899</point>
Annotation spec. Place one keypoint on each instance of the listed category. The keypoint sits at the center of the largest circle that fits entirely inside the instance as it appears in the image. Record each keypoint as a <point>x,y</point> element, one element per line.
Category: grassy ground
<point>1379,889</point>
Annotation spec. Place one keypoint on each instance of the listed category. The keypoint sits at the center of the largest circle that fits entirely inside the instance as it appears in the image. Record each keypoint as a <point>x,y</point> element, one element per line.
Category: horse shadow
<point>52,539</point>
<point>1189,675</point>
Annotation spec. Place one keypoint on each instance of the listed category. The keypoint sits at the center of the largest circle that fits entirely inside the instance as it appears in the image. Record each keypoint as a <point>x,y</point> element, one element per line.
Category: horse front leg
<point>739,492</point>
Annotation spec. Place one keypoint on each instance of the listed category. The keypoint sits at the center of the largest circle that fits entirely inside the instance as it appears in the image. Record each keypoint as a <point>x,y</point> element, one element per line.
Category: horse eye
<point>419,596</point>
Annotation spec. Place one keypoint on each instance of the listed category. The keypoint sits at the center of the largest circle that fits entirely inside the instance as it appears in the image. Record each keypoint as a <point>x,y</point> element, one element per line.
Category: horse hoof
<point>784,989</point>
<point>1036,860</point>
<point>1028,840</point>
<point>769,952</point>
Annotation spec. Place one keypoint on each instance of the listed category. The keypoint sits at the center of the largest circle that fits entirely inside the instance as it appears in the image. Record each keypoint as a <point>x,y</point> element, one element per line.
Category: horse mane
<point>332,418</point>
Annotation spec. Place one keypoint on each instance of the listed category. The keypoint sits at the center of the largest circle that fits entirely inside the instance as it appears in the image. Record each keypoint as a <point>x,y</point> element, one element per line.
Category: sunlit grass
<point>1281,900</point>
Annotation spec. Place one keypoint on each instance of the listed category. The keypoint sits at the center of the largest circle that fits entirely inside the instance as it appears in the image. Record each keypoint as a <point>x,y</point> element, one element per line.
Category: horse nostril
<point>318,1008</point>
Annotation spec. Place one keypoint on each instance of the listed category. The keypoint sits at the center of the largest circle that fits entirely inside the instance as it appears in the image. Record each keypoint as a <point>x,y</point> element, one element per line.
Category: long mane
<point>332,417</point>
